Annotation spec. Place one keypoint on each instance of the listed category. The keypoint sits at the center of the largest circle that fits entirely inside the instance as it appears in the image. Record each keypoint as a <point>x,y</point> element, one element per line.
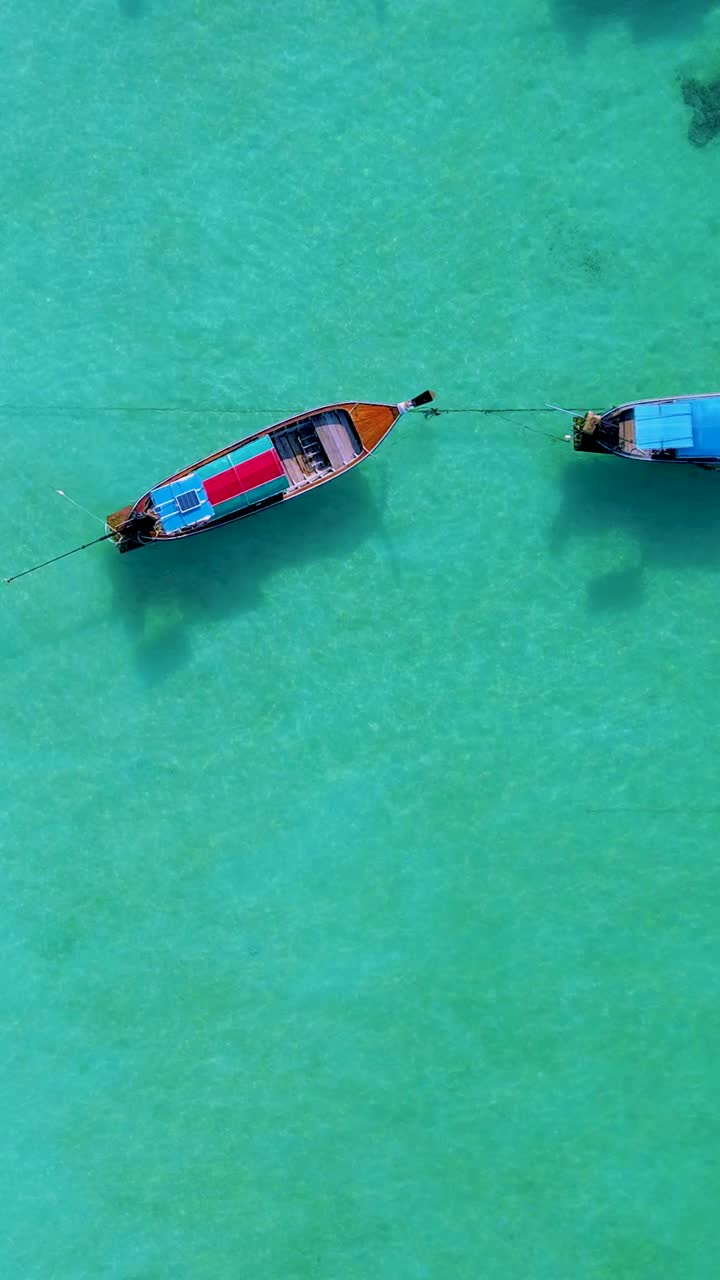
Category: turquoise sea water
<point>359,861</point>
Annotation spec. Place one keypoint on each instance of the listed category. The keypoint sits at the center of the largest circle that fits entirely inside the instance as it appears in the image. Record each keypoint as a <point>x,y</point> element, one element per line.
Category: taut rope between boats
<point>230,411</point>
<point>238,409</point>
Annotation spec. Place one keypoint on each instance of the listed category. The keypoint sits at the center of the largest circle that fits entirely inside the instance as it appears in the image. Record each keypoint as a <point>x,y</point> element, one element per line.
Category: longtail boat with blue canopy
<point>265,468</point>
<point>674,429</point>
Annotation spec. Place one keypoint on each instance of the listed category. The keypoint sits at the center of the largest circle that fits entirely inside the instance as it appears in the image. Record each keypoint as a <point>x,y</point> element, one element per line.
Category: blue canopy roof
<point>663,426</point>
<point>691,427</point>
<point>181,503</point>
<point>705,429</point>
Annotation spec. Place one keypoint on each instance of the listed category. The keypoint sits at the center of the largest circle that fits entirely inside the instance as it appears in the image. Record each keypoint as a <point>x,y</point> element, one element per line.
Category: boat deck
<point>317,446</point>
<point>626,439</point>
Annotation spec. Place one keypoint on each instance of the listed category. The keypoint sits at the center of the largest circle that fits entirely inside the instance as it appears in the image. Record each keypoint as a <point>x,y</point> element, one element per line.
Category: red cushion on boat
<point>248,475</point>
<point>258,470</point>
<point>240,479</point>
<point>226,484</point>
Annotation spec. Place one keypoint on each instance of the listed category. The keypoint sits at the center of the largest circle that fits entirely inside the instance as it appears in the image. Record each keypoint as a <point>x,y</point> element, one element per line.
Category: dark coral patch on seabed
<point>705,102</point>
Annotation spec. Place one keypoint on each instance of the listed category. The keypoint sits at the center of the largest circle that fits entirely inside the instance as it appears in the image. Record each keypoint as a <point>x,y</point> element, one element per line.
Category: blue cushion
<point>706,429</point>
<point>165,500</point>
<point>674,409</point>
<point>663,426</point>
<point>162,494</point>
<point>692,427</point>
<point>171,523</point>
<point>642,411</point>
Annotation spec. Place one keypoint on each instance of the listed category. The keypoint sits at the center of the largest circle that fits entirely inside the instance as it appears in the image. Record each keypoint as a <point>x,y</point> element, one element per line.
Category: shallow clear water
<point>359,860</point>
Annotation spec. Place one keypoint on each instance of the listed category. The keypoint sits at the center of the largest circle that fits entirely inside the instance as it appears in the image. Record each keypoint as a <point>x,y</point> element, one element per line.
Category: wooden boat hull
<point>679,429</point>
<point>302,452</point>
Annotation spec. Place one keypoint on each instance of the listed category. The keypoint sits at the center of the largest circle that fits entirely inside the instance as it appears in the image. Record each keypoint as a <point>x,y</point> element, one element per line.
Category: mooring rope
<point>536,431</point>
<point>430,413</point>
<point>230,409</point>
<point>236,410</point>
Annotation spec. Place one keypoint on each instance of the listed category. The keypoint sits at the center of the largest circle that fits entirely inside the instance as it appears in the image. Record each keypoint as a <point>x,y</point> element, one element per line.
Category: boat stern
<point>584,436</point>
<point>130,529</point>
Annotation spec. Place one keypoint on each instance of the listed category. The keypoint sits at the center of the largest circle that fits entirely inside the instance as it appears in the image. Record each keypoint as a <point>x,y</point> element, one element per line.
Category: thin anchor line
<point>79,505</point>
<point>55,559</point>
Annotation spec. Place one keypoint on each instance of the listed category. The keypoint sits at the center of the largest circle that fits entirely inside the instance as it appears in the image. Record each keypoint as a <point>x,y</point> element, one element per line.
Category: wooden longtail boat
<point>674,429</point>
<point>261,470</point>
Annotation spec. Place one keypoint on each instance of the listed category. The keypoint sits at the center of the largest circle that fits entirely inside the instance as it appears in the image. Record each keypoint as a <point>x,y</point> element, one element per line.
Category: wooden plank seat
<point>292,461</point>
<point>336,442</point>
<point>627,432</point>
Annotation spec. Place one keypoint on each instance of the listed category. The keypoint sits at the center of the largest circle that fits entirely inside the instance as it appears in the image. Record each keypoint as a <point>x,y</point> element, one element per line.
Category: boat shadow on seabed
<point>643,515</point>
<point>645,19</point>
<point>162,590</point>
